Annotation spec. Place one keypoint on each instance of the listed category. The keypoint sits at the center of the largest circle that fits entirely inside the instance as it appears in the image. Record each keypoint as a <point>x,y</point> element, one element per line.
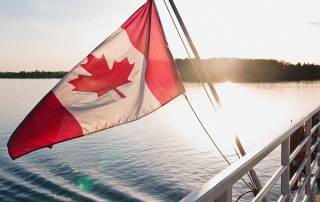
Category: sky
<point>55,35</point>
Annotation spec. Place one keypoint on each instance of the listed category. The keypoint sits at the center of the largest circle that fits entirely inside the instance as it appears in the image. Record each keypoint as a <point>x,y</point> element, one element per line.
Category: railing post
<point>308,153</point>
<point>285,160</point>
<point>226,196</point>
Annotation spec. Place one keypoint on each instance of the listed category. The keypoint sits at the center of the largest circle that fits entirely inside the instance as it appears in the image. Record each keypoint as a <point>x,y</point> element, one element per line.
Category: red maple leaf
<point>103,79</point>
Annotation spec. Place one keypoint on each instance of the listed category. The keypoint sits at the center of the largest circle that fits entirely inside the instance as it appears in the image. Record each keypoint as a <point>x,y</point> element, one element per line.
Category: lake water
<point>157,158</point>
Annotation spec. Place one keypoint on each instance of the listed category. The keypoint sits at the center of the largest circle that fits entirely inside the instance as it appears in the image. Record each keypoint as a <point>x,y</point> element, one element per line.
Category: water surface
<point>157,158</point>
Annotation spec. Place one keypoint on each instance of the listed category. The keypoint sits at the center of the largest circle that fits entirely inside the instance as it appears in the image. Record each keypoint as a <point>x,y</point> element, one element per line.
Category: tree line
<point>220,70</point>
<point>32,75</point>
<point>248,70</point>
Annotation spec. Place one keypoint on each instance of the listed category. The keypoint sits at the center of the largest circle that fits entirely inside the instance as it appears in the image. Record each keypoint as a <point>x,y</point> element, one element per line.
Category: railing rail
<point>219,188</point>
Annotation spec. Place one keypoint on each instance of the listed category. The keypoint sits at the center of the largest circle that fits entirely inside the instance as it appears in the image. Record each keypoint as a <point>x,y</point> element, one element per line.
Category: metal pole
<point>213,90</point>
<point>308,153</point>
<point>203,70</point>
<point>285,161</point>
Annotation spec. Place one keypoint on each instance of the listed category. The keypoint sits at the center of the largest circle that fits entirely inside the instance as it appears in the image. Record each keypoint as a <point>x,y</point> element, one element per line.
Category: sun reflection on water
<point>249,110</point>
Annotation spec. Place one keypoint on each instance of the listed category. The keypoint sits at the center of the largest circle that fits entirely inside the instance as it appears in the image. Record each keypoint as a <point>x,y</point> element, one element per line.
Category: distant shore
<point>32,75</point>
<point>219,69</point>
<point>249,70</point>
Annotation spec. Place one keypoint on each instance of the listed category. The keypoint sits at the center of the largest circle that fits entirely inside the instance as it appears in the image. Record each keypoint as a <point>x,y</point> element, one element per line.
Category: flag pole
<point>214,92</point>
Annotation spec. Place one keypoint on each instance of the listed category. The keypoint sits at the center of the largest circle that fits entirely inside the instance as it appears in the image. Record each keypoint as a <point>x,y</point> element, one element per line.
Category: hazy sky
<point>55,35</point>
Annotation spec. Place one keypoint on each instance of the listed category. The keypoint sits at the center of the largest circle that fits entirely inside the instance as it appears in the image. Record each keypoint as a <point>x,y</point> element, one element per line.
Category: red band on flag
<point>161,75</point>
<point>47,124</point>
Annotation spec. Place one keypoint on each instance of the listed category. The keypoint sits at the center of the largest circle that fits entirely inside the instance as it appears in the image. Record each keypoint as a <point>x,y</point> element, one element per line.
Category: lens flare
<point>85,183</point>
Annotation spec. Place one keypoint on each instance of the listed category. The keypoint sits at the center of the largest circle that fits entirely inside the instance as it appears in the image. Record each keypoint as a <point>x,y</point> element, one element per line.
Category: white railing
<point>219,188</point>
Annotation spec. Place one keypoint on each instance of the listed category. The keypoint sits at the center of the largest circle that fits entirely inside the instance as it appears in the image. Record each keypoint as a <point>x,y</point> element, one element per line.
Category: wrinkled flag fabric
<point>129,75</point>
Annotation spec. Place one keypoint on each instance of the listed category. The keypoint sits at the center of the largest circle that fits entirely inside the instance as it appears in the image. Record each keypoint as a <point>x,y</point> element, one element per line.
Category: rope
<point>211,138</point>
<point>193,65</point>
<point>199,77</point>
<point>253,186</point>
<point>242,195</point>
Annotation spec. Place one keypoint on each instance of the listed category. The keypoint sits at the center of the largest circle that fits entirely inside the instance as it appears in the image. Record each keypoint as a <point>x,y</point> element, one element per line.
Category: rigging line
<point>249,176</point>
<point>194,67</point>
<point>252,183</point>
<point>242,195</point>
<point>211,138</point>
<point>199,77</point>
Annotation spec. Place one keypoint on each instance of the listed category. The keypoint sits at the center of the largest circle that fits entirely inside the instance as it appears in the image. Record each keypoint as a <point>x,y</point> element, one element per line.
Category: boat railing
<point>219,188</point>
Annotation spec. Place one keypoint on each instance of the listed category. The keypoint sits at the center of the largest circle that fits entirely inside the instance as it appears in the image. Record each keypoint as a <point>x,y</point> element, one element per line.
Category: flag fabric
<point>129,75</point>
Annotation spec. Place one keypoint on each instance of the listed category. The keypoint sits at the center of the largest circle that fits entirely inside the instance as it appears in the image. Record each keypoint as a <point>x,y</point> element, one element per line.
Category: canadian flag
<point>129,75</point>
